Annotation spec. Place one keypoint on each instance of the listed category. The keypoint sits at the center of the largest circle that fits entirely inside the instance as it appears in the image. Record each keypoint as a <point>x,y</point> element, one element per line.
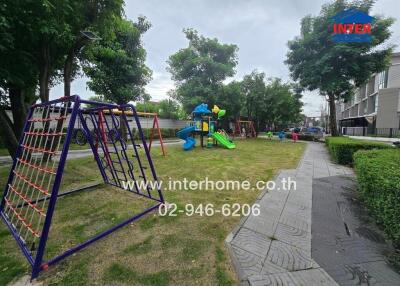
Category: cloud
<point>78,86</point>
<point>261,30</point>
<point>159,86</point>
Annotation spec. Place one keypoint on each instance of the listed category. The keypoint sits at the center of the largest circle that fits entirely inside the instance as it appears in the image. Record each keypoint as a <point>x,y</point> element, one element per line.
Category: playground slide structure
<point>184,135</point>
<point>204,123</point>
<point>221,139</point>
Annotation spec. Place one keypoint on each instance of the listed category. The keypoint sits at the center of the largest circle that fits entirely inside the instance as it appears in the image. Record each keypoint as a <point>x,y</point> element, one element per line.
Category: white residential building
<point>375,107</point>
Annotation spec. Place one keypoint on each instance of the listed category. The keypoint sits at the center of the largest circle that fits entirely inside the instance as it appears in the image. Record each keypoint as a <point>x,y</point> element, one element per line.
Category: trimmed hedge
<point>378,175</point>
<point>343,148</point>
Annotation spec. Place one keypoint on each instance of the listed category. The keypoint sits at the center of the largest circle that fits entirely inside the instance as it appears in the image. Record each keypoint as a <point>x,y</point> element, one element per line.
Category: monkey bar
<point>155,126</point>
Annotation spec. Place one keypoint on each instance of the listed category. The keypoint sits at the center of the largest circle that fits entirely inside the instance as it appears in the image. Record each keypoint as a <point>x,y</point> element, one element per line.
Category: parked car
<point>316,132</point>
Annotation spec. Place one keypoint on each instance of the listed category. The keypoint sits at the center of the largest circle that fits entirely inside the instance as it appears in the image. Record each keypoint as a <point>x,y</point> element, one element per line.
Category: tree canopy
<point>116,65</point>
<point>336,68</point>
<point>200,69</point>
<point>41,45</point>
<point>269,101</point>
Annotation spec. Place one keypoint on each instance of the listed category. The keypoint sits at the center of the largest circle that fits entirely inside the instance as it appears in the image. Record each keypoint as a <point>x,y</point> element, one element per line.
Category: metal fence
<point>371,132</point>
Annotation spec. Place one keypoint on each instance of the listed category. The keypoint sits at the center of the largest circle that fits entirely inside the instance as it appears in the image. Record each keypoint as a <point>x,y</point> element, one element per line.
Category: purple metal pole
<point>94,150</point>
<point>100,235</point>
<point>100,104</point>
<point>136,154</point>
<point>20,243</point>
<point>58,100</point>
<point>96,125</point>
<point>37,267</point>
<point>153,171</point>
<point>17,155</point>
<point>115,146</point>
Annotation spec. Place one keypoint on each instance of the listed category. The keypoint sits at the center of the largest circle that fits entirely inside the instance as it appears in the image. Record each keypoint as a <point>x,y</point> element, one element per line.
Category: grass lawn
<point>4,152</point>
<point>182,250</point>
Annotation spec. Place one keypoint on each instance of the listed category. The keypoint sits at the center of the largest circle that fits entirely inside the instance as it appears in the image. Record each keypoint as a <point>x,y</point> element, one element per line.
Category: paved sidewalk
<point>274,248</point>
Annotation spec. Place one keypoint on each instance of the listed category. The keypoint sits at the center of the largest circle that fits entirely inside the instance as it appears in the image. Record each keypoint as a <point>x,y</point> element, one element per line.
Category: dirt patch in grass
<point>155,250</point>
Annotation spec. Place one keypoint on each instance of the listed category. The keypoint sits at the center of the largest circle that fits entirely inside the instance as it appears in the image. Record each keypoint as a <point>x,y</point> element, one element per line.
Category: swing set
<point>80,139</point>
<point>33,185</point>
<point>248,127</point>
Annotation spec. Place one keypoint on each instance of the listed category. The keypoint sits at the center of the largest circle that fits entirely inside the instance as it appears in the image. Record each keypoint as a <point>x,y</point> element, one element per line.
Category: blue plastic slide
<point>184,135</point>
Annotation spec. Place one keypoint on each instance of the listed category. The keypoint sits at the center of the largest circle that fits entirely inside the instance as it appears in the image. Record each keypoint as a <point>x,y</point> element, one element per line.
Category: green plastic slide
<point>221,139</point>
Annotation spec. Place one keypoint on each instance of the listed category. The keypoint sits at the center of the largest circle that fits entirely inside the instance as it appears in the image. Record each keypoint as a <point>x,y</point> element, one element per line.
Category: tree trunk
<point>68,72</point>
<point>18,110</point>
<point>123,129</point>
<point>7,132</point>
<point>69,62</point>
<point>44,76</point>
<point>332,115</point>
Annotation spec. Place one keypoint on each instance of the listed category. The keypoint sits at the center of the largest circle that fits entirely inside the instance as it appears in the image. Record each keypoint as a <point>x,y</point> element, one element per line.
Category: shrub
<point>165,133</point>
<point>2,143</point>
<point>343,148</point>
<point>378,175</point>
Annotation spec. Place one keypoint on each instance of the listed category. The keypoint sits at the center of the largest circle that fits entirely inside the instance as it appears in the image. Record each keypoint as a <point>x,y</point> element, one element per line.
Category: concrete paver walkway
<point>274,248</point>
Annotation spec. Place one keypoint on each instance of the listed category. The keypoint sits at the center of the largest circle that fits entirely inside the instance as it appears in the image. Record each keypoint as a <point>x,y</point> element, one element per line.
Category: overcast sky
<point>260,28</point>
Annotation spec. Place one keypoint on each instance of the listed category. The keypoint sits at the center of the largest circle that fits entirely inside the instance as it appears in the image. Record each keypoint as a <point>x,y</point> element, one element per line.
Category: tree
<point>116,66</point>
<point>200,69</point>
<point>88,17</point>
<point>168,108</point>
<point>269,101</point>
<point>283,104</point>
<point>41,40</point>
<point>231,99</point>
<point>148,106</point>
<point>335,69</point>
<point>255,104</point>
<point>18,68</point>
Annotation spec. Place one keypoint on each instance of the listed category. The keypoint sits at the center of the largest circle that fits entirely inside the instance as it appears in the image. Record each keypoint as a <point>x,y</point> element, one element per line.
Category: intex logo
<point>352,26</point>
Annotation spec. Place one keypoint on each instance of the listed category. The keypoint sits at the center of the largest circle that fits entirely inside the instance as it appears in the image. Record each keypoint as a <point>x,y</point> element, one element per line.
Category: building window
<point>362,91</point>
<point>383,79</point>
<point>374,104</point>
<point>371,85</point>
